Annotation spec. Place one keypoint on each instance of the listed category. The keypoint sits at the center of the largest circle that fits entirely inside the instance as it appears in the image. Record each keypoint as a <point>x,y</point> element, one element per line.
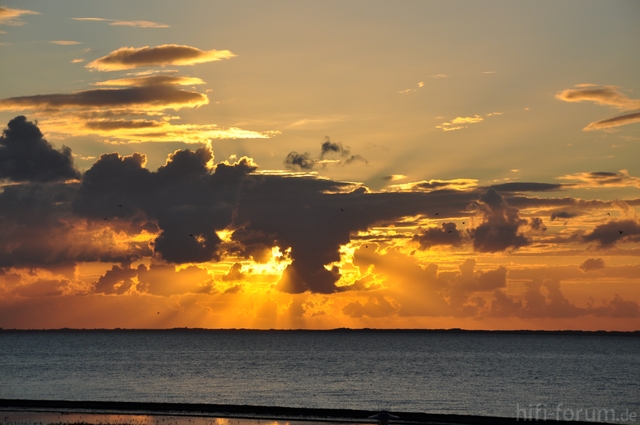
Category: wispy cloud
<point>459,123</point>
<point>116,22</point>
<point>65,42</point>
<point>603,95</point>
<point>420,85</point>
<point>167,54</point>
<point>12,16</point>
<point>606,96</point>
<point>394,177</point>
<point>597,179</point>
<point>432,185</point>
<point>614,122</point>
<point>152,80</point>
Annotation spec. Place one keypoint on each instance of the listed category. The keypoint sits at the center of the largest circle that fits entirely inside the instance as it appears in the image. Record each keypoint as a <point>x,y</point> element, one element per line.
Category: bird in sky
<point>190,234</point>
<point>341,209</point>
<point>119,206</point>
<point>608,213</point>
<point>620,231</point>
<point>106,219</point>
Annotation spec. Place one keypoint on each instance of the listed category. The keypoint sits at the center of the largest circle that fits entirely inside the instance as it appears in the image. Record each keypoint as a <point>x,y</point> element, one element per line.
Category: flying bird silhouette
<point>620,231</point>
<point>341,209</point>
<point>190,235</point>
<point>106,219</point>
<point>608,213</point>
<point>119,206</point>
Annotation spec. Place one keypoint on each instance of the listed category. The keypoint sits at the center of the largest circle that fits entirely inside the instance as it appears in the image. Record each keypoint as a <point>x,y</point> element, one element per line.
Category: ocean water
<point>510,375</point>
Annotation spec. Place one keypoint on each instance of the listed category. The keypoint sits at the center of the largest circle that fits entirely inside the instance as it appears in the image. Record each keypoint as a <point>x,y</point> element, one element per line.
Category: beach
<point>55,412</point>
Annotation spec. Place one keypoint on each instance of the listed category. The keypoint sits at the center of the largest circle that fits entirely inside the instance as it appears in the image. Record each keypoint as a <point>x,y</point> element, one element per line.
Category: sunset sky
<point>320,164</point>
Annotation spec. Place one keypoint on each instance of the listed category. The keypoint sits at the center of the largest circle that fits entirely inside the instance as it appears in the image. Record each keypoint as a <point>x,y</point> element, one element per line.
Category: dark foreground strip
<point>266,412</point>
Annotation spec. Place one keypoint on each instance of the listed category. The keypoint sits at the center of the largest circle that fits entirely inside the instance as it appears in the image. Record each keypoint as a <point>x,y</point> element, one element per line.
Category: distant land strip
<point>635,333</point>
<point>259,412</point>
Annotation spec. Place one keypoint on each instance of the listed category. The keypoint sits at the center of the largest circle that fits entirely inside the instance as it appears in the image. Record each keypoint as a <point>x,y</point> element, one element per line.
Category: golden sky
<point>300,164</point>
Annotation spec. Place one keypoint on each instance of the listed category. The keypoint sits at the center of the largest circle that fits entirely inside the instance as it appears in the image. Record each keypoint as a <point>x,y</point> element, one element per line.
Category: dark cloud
<point>618,307</point>
<point>187,200</point>
<point>537,302</point>
<point>526,187</point>
<point>234,273</point>
<point>592,264</point>
<point>606,235</point>
<point>301,213</point>
<point>447,235</point>
<point>150,97</point>
<point>499,230</point>
<point>433,184</point>
<point>374,307</point>
<point>26,156</point>
<point>614,122</point>
<point>330,152</point>
<point>167,54</point>
<point>157,279</point>
<point>537,224</point>
<point>110,125</point>
<point>564,214</point>
<point>478,281</point>
<point>329,148</point>
<point>297,161</point>
<point>39,229</point>
<point>152,80</point>
<point>118,280</point>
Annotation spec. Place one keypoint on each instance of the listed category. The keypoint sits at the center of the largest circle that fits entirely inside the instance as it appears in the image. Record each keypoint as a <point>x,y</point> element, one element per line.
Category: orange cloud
<point>614,122</point>
<point>10,16</point>
<point>65,42</point>
<point>152,80</point>
<point>598,179</point>
<point>137,24</point>
<point>605,95</point>
<point>167,54</point>
<point>459,123</point>
<point>158,97</point>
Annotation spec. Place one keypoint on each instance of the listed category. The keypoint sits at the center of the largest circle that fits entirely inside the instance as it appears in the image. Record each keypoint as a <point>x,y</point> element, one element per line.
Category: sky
<point>318,165</point>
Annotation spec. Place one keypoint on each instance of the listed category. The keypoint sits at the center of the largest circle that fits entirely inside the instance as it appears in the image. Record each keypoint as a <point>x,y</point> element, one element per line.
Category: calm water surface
<point>462,373</point>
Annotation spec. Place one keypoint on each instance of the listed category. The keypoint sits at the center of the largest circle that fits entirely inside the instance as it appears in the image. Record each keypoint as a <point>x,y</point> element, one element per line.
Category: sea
<point>527,375</point>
